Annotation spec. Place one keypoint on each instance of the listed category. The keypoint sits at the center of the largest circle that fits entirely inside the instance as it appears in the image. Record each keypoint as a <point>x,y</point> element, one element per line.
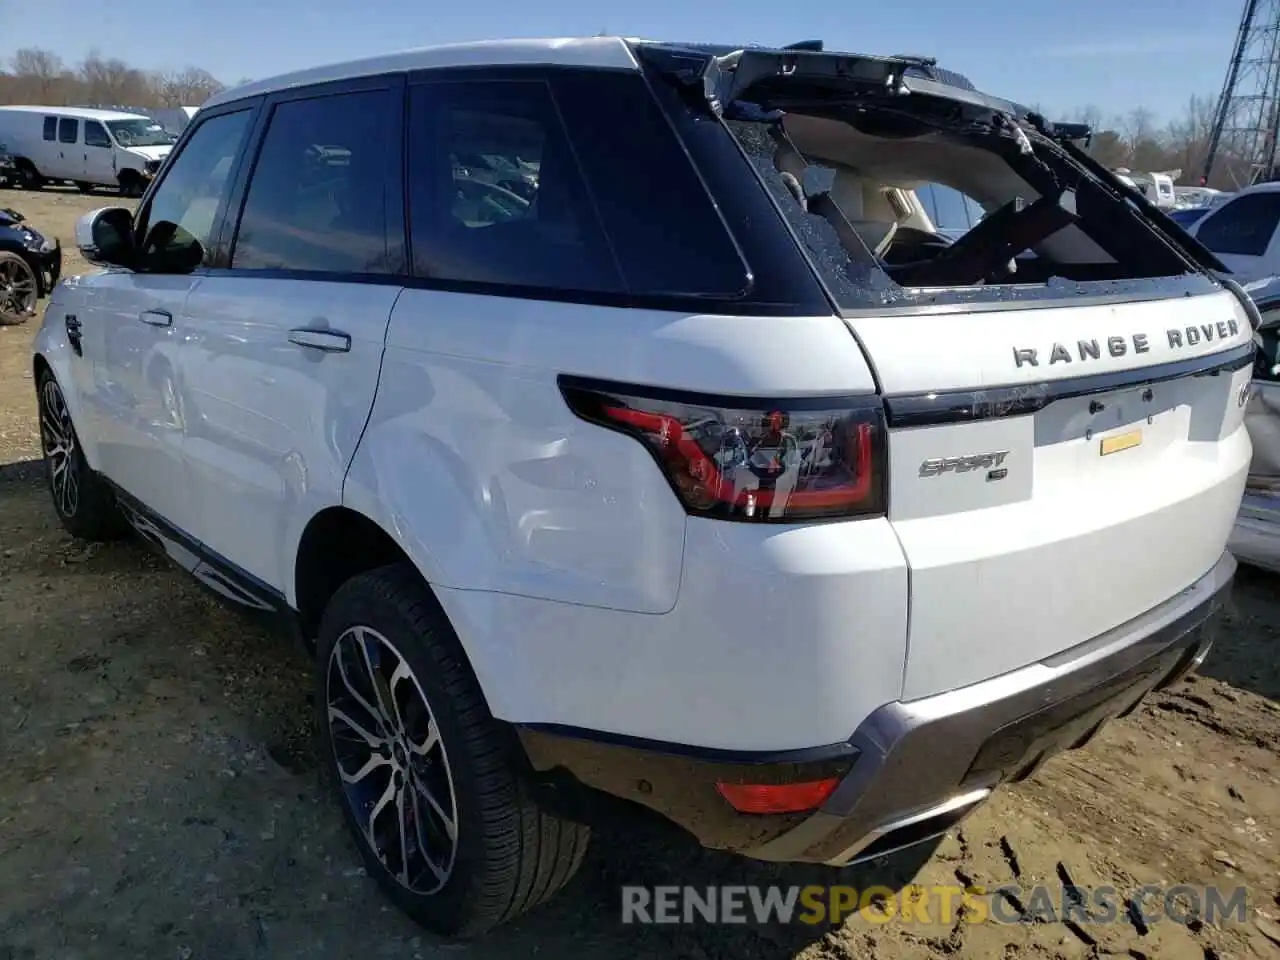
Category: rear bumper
<point>912,769</point>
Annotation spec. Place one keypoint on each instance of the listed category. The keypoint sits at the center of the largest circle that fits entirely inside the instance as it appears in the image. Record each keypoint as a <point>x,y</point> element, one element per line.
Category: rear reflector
<point>778,798</point>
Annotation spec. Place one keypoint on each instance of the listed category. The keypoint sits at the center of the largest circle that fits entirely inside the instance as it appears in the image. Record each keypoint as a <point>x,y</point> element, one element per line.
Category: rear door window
<point>495,193</point>
<point>568,183</point>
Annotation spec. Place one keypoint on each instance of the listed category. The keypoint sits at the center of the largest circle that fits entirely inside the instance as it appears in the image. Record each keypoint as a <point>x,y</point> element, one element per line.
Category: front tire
<point>423,772</point>
<point>84,502</point>
<point>132,185</point>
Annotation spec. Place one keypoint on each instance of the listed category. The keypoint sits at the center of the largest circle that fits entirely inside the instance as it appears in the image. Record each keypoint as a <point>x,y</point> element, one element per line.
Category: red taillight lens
<point>778,798</point>
<point>752,460</point>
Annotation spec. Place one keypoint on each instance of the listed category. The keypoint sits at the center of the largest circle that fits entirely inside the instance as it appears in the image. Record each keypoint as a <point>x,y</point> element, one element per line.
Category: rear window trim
<point>1017,400</point>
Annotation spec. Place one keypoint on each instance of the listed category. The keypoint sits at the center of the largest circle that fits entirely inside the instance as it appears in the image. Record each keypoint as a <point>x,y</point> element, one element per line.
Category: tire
<point>19,289</point>
<point>82,499</point>
<point>132,185</point>
<point>28,177</point>
<point>508,855</point>
<point>84,186</point>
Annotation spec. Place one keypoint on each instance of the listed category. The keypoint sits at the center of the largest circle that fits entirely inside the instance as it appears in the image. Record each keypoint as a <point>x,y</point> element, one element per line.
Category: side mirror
<point>105,237</point>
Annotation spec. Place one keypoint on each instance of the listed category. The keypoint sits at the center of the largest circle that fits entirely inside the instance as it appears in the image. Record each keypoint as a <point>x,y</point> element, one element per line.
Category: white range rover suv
<point>613,424</point>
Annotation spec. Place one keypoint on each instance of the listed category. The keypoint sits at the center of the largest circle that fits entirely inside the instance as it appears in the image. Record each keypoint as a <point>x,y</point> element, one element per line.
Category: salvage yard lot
<point>162,797</point>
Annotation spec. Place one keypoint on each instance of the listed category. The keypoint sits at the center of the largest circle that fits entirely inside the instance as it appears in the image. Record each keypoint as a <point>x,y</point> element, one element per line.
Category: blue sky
<point>1061,54</point>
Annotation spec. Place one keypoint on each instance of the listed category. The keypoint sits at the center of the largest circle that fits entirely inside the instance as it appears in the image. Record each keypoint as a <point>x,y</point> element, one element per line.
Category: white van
<point>91,148</point>
<point>1156,187</point>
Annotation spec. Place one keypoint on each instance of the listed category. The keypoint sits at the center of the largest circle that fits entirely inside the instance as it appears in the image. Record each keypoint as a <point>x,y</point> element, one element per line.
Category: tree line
<point>1135,140</point>
<point>40,77</point>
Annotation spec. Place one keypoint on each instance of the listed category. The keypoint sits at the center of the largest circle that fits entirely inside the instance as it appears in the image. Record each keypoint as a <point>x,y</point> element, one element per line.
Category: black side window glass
<point>184,208</point>
<point>68,130</point>
<point>317,197</point>
<point>95,135</point>
<point>665,230</point>
<point>495,192</point>
<point>1244,226</point>
<point>51,128</point>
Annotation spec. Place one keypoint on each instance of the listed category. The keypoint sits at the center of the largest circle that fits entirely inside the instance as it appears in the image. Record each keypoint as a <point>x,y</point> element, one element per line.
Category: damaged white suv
<point>614,424</point>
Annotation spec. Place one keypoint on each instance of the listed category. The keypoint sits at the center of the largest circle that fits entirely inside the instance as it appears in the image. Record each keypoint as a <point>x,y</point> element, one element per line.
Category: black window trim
<point>227,221</point>
<point>140,221</point>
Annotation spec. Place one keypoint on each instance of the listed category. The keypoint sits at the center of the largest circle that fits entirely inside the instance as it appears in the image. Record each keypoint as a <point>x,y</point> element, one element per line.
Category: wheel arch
<point>54,360</point>
<point>339,543</point>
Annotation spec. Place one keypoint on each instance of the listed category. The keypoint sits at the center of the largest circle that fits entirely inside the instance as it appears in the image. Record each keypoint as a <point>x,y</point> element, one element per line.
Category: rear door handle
<point>157,318</point>
<point>330,341</point>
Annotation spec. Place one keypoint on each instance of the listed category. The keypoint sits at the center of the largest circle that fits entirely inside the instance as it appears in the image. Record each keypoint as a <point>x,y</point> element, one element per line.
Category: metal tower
<point>1246,124</point>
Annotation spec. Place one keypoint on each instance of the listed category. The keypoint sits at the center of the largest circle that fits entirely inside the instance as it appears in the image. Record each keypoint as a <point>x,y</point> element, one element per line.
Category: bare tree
<point>38,70</point>
<point>186,88</point>
<point>111,81</point>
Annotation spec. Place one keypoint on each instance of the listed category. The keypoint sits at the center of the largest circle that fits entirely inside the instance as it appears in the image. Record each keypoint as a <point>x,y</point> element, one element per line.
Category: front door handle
<point>330,341</point>
<point>157,318</point>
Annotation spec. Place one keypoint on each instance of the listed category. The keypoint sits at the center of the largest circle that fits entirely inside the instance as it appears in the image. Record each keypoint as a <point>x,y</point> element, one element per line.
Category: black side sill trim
<point>833,751</point>
<point>214,571</point>
<point>964,406</point>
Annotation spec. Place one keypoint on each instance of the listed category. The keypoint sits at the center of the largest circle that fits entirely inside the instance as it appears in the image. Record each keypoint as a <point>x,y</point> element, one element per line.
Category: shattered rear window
<point>873,239</point>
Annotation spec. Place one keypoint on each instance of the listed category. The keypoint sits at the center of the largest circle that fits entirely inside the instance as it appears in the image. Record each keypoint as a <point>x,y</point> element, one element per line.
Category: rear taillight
<point>737,458</point>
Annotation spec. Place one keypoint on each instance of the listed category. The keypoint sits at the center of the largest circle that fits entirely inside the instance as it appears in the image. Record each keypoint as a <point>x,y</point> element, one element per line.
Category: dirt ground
<point>161,794</point>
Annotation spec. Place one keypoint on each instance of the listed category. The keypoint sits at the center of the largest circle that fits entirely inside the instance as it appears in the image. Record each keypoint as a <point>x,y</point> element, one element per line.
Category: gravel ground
<point>162,795</point>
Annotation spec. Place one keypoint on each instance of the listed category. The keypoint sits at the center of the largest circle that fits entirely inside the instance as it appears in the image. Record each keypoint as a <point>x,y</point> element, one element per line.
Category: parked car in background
<point>90,148</point>
<point>30,264</point>
<point>579,404</point>
<point>1256,537</point>
<point>1244,232</point>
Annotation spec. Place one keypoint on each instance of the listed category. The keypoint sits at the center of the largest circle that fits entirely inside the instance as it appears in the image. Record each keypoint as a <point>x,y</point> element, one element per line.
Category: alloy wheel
<point>59,442</point>
<point>18,293</point>
<point>392,764</point>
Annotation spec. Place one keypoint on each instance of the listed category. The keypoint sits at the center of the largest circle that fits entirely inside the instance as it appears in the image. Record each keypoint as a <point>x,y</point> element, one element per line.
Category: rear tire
<point>84,186</point>
<point>28,177</point>
<point>428,753</point>
<point>83,500</point>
